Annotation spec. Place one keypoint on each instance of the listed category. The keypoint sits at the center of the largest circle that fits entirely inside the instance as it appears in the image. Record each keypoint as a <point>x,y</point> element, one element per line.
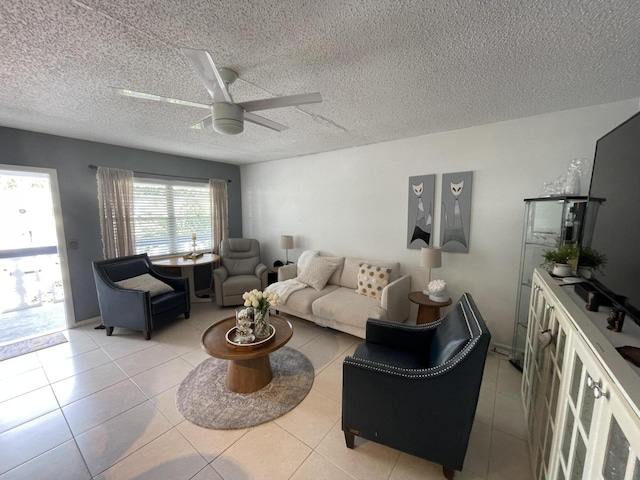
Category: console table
<point>581,398</point>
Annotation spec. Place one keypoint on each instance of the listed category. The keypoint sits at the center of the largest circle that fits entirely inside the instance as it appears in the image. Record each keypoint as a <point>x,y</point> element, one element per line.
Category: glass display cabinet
<point>548,223</point>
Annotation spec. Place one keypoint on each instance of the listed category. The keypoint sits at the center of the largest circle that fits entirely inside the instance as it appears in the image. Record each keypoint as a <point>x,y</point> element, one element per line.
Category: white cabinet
<point>580,397</point>
<point>600,437</point>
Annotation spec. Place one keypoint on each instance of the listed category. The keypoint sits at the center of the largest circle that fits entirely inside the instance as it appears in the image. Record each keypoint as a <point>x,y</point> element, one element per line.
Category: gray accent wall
<point>79,194</point>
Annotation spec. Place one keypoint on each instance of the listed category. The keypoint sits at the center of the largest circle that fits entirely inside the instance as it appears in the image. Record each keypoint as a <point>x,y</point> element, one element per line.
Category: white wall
<point>353,202</point>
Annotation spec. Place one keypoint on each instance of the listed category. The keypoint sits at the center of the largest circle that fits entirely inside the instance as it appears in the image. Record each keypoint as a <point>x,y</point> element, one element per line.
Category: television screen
<point>616,178</point>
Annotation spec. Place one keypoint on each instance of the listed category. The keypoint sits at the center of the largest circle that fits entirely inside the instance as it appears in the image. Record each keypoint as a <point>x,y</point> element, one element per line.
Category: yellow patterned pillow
<point>372,279</point>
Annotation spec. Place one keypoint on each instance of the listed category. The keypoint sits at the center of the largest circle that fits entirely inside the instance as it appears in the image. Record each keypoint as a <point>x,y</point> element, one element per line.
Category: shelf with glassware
<point>548,223</point>
<point>581,397</point>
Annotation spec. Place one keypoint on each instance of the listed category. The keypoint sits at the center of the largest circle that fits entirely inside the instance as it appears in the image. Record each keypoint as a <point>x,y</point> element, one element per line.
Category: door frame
<point>70,316</point>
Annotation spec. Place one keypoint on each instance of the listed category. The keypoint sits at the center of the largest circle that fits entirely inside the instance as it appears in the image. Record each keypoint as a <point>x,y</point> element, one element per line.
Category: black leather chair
<point>137,309</point>
<point>415,387</point>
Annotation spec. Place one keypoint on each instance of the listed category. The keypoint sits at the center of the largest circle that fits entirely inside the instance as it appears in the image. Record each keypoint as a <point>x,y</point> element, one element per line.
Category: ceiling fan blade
<point>206,122</point>
<point>206,70</point>
<point>149,96</point>
<point>265,122</point>
<point>279,102</point>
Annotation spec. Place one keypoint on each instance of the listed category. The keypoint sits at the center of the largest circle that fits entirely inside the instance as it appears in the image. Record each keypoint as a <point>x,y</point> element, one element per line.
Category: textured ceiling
<point>386,69</point>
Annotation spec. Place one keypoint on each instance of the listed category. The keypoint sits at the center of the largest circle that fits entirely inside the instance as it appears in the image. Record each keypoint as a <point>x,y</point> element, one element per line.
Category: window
<point>167,213</point>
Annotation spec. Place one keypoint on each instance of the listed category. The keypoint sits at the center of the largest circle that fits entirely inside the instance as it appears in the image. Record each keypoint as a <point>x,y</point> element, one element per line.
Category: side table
<point>428,310</point>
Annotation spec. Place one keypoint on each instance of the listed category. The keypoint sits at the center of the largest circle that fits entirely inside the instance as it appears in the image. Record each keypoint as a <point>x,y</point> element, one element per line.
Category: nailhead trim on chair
<point>428,372</point>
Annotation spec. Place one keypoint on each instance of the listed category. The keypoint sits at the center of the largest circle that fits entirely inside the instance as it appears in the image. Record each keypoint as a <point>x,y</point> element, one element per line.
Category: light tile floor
<point>104,408</point>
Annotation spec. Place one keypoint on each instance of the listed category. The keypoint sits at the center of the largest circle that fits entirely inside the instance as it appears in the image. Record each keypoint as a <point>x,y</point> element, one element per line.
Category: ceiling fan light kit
<point>228,118</point>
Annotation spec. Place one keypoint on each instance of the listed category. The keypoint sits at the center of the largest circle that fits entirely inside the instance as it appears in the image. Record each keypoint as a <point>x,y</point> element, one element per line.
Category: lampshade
<point>286,242</point>
<point>431,257</point>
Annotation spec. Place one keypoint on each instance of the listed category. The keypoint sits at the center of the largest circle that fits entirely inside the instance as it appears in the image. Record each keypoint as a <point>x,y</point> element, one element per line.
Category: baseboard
<point>500,349</point>
<point>88,321</point>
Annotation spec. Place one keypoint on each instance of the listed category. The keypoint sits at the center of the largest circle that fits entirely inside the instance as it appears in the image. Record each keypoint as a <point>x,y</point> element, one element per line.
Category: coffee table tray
<point>231,335</point>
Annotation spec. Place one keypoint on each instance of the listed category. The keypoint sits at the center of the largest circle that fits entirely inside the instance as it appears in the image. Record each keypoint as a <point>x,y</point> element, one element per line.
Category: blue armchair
<point>415,388</point>
<point>137,309</point>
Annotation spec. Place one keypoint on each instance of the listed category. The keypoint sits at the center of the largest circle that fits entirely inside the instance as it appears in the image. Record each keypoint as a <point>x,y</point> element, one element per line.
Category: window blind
<point>167,213</point>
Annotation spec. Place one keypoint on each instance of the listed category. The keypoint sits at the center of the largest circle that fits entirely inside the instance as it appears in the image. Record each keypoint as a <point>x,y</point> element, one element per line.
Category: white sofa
<point>338,305</point>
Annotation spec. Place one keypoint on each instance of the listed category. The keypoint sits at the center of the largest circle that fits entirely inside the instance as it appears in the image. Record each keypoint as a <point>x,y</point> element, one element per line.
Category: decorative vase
<point>440,296</point>
<point>585,272</point>
<point>244,317</point>
<point>561,269</point>
<point>261,328</point>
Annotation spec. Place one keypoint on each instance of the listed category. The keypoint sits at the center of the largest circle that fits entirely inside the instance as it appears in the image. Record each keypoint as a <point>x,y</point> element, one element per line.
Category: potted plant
<point>557,261</point>
<point>590,261</point>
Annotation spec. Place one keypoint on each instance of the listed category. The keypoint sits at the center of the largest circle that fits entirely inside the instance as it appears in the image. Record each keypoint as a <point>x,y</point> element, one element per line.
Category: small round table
<point>428,310</point>
<point>249,367</point>
<point>187,266</point>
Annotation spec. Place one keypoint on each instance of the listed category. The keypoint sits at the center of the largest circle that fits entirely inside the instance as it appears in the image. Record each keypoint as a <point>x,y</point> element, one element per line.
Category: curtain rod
<point>95,167</point>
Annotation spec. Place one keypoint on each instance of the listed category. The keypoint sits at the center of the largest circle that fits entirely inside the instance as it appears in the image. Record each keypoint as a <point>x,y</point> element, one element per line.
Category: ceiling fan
<point>227,117</point>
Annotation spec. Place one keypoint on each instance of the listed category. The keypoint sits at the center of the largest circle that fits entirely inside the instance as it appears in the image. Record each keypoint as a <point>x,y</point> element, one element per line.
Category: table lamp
<point>286,243</point>
<point>430,258</point>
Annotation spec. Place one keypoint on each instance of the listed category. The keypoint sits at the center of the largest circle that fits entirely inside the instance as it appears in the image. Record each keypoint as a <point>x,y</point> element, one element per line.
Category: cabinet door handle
<point>593,385</point>
<point>590,382</point>
<point>597,392</point>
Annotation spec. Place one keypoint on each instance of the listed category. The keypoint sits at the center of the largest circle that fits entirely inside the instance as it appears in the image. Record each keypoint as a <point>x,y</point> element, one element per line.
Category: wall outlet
<point>73,244</point>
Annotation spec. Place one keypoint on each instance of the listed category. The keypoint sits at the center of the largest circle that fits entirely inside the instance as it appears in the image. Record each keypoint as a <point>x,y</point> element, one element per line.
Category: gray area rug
<point>204,399</point>
<point>31,345</point>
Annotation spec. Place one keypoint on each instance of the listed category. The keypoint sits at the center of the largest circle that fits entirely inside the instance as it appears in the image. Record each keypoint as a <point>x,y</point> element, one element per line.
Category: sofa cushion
<point>343,305</point>
<point>301,300</point>
<point>167,301</point>
<point>372,279</point>
<point>351,268</point>
<point>241,283</point>
<point>146,283</point>
<point>240,266</point>
<point>317,272</point>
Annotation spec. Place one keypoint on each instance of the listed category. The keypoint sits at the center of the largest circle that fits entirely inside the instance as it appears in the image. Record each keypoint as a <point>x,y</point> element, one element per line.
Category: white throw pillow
<point>372,280</point>
<point>146,283</point>
<point>303,260</point>
<point>317,273</point>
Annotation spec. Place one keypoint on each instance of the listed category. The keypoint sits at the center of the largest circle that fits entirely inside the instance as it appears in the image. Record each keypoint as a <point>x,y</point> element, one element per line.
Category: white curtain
<point>219,213</point>
<point>115,202</point>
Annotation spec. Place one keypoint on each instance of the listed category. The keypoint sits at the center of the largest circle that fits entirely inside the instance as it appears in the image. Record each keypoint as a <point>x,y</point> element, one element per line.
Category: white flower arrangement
<point>261,301</point>
<point>436,286</point>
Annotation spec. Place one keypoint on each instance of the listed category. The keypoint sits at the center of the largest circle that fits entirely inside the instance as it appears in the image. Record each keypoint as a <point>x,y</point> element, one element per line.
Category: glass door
<point>619,431</point>
<point>34,280</point>
<point>548,354</point>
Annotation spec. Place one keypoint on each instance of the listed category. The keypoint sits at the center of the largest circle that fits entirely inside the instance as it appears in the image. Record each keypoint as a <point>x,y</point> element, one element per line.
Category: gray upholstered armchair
<point>133,294</point>
<point>415,388</point>
<point>240,270</point>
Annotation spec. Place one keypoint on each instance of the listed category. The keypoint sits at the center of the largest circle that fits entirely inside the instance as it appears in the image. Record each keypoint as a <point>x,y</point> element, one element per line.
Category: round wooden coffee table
<point>249,367</point>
